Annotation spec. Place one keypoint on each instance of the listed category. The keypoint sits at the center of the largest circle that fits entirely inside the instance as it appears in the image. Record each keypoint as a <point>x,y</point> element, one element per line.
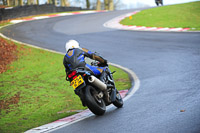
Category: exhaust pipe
<point>98,83</point>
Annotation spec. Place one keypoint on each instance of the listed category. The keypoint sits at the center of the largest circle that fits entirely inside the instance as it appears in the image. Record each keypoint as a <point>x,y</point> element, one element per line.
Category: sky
<point>128,4</point>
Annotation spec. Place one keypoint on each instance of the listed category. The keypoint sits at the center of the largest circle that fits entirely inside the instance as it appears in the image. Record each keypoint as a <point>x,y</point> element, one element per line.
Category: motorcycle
<point>95,92</point>
<point>159,2</point>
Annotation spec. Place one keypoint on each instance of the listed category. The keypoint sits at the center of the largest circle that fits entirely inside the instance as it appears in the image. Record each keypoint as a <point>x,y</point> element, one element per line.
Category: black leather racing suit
<point>75,58</point>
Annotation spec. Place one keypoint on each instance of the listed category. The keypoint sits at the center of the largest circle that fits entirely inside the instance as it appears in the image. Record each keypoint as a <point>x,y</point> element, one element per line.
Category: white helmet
<point>71,44</point>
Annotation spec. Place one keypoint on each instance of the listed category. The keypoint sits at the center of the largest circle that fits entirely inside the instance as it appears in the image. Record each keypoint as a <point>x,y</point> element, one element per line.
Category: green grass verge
<point>33,91</point>
<point>4,24</point>
<point>181,15</point>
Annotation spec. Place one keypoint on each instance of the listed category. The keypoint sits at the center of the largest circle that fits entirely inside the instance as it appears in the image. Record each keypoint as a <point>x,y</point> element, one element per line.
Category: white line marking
<point>65,14</point>
<point>16,21</point>
<point>41,17</point>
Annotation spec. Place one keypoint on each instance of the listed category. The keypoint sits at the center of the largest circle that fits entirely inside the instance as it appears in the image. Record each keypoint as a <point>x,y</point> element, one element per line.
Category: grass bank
<point>33,90</point>
<point>173,16</point>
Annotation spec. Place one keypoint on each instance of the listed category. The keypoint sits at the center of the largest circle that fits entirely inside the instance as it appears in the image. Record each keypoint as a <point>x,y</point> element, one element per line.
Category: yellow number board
<point>77,82</point>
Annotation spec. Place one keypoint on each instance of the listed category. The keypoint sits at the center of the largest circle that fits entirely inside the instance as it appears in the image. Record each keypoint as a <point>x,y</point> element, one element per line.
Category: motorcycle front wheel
<point>95,104</point>
<point>119,101</point>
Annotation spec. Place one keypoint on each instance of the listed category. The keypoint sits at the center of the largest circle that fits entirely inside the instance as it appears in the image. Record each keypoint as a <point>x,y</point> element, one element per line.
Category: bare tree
<point>87,4</point>
<point>67,3</point>
<point>4,2</point>
<point>10,2</point>
<point>51,2</point>
<point>29,2</point>
<point>62,2</point>
<point>118,4</point>
<point>106,4</point>
<point>20,2</point>
<point>16,3</point>
<point>98,6</point>
<point>111,5</point>
<point>32,2</point>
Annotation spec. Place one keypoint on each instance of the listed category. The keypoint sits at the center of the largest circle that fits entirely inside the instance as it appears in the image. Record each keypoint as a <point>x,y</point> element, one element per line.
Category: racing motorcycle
<point>159,2</point>
<point>95,92</point>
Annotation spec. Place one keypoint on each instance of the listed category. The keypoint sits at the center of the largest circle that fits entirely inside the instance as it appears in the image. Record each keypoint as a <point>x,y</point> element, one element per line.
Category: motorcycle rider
<point>75,57</point>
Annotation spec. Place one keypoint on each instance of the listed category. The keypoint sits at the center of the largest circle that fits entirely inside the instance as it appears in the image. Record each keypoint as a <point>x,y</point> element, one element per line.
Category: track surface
<point>167,64</point>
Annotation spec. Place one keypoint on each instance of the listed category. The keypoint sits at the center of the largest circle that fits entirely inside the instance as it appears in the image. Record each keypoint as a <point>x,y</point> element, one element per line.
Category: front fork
<point>108,78</point>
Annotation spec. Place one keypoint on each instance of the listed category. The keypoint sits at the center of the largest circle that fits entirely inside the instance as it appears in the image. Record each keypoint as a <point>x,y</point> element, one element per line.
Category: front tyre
<point>119,101</point>
<point>95,104</point>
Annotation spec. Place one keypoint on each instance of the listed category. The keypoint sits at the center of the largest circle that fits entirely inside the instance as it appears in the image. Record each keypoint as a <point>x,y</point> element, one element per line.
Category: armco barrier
<point>22,11</point>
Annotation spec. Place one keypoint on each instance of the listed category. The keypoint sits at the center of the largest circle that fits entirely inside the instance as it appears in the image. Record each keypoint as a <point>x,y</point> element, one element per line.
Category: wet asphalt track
<point>167,64</point>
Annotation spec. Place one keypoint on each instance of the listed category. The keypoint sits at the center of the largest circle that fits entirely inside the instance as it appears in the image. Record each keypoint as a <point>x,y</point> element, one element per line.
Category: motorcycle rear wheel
<point>95,104</point>
<point>119,101</point>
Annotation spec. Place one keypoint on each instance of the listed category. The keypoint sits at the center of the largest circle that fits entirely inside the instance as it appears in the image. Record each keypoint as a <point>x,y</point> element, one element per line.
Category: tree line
<point>105,4</point>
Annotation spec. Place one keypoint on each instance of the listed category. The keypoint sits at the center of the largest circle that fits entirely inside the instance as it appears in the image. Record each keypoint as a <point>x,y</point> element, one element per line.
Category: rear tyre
<point>95,104</point>
<point>119,101</point>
